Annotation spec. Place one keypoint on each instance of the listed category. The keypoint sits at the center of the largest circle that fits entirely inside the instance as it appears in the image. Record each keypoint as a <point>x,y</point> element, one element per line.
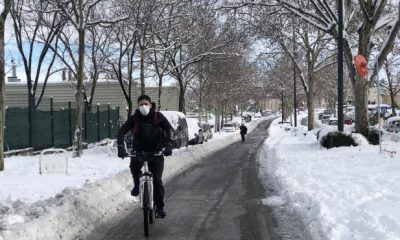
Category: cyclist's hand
<point>168,151</point>
<point>121,152</point>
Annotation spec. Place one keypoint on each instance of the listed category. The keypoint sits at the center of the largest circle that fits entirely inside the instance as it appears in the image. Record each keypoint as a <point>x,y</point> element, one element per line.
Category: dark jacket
<point>151,133</point>
<point>243,129</point>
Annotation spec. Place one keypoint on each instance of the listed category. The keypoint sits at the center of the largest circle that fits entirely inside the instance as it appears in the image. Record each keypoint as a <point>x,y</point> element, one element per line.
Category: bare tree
<point>81,16</point>
<point>121,58</point>
<point>98,41</point>
<point>364,23</point>
<point>390,67</point>
<point>3,16</point>
<point>36,29</point>
<point>200,86</point>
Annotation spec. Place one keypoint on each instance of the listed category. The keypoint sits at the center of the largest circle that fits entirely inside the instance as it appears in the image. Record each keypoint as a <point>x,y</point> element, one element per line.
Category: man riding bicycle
<point>149,128</point>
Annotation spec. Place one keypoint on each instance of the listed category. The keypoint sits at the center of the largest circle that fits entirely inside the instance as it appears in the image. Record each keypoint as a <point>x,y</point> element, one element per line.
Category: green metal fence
<point>55,126</point>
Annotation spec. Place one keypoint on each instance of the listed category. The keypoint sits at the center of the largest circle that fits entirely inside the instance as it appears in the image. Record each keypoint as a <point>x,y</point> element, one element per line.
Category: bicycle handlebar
<point>145,154</point>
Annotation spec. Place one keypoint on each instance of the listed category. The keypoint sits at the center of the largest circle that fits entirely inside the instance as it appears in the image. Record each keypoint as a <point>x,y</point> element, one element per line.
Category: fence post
<point>118,125</point>
<point>70,122</point>
<point>98,122</point>
<point>52,120</point>
<point>85,124</point>
<point>109,120</point>
<point>30,131</point>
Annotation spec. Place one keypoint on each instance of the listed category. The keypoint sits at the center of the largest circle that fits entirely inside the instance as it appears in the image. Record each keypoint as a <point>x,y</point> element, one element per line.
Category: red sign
<point>361,65</point>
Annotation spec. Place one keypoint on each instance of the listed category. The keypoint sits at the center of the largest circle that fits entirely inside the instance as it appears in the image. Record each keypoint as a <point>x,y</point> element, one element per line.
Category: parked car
<point>207,131</point>
<point>196,135</point>
<point>228,127</point>
<point>392,124</point>
<point>333,121</point>
<point>257,115</point>
<point>246,118</point>
<point>325,119</point>
<point>179,124</point>
<point>235,124</point>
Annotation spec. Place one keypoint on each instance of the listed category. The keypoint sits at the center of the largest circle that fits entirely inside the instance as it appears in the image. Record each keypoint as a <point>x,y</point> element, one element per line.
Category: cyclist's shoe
<point>160,213</point>
<point>135,190</point>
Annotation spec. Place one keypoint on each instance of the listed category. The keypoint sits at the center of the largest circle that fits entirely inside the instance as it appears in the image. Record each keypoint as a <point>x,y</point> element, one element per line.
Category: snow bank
<point>57,206</point>
<point>340,193</point>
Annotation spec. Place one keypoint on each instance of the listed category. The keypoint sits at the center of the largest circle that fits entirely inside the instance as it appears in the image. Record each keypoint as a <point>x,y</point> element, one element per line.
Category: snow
<point>339,193</point>
<point>97,187</point>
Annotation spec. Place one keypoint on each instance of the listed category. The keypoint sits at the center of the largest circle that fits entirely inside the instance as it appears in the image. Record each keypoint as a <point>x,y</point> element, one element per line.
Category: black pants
<point>242,135</point>
<point>156,167</point>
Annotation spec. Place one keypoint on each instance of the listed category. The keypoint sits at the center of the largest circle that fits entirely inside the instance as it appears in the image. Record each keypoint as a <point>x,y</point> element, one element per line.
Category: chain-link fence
<point>53,125</point>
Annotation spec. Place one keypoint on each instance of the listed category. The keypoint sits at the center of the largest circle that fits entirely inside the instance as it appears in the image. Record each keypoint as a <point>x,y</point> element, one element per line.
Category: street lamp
<point>294,78</point>
<point>340,66</point>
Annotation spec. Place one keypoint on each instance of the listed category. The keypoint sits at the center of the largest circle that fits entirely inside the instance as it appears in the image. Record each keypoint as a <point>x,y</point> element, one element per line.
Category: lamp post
<point>379,107</point>
<point>340,66</point>
<point>294,78</point>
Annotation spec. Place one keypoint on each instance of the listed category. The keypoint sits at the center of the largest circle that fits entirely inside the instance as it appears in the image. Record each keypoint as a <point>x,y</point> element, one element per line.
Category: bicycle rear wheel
<point>146,209</point>
<point>151,216</point>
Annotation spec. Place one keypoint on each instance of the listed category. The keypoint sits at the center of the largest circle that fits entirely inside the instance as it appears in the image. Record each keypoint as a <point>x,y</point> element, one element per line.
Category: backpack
<point>148,136</point>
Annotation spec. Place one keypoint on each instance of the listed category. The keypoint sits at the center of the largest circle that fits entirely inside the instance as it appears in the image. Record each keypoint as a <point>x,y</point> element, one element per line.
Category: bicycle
<point>146,188</point>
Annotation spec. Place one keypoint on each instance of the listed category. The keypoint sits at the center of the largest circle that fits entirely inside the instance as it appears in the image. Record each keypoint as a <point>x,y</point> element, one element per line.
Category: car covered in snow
<point>228,127</point>
<point>207,131</point>
<point>195,132</point>
<point>333,121</point>
<point>392,124</point>
<point>179,124</point>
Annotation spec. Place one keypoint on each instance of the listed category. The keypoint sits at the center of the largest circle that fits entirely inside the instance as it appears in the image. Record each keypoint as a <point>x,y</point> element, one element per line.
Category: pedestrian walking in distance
<point>243,131</point>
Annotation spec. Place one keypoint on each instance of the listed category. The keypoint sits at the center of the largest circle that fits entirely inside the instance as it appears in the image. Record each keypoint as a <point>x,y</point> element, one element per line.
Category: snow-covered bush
<point>337,139</point>
<point>373,136</point>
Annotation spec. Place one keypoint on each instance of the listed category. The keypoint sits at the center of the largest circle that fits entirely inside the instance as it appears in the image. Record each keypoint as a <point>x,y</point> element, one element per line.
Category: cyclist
<point>149,128</point>
<point>243,131</point>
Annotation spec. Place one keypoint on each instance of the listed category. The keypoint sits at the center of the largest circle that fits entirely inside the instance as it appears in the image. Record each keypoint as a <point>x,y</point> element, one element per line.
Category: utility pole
<point>294,77</point>
<point>340,67</point>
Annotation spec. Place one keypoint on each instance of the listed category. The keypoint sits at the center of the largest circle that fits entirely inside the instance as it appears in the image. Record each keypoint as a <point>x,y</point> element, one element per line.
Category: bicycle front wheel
<point>146,209</point>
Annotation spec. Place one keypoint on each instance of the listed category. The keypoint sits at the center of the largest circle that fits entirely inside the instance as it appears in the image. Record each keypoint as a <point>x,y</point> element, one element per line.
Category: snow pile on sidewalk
<point>59,206</point>
<point>340,193</point>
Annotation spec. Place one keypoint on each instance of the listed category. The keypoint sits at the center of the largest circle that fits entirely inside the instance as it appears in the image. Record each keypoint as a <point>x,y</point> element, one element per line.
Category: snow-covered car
<point>392,124</point>
<point>333,121</point>
<point>207,131</point>
<point>228,127</point>
<point>325,118</point>
<point>257,115</point>
<point>179,124</point>
<point>246,118</point>
<point>196,135</point>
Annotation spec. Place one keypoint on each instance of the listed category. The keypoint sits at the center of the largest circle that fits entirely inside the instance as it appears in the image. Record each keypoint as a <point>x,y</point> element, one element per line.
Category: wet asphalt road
<point>219,198</point>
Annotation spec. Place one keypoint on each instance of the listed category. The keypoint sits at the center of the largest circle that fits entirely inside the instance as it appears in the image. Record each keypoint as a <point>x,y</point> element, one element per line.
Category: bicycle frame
<point>146,179</point>
<point>146,176</point>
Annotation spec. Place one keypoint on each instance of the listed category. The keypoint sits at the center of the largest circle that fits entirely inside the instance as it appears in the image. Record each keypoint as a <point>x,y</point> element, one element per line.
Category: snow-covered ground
<point>60,206</point>
<point>340,193</point>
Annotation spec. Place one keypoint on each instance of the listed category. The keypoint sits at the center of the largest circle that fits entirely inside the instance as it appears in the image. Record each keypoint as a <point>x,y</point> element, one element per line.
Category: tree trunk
<point>159,92</point>
<point>2,93</point>
<point>77,152</point>
<point>142,85</point>
<point>361,106</point>
<point>310,107</point>
<point>200,106</point>
<point>216,120</point>
<point>393,103</point>
<point>181,96</point>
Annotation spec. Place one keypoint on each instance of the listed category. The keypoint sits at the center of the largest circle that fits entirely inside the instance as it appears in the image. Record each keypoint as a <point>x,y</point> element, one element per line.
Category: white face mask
<point>144,110</point>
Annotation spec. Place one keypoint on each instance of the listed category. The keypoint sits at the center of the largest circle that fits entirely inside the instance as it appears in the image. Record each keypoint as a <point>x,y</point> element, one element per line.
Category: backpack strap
<point>155,118</point>
<point>136,125</point>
